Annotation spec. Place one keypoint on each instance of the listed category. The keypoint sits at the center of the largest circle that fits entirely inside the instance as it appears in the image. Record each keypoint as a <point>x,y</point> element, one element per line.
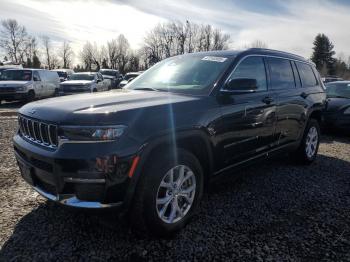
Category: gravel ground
<point>276,212</point>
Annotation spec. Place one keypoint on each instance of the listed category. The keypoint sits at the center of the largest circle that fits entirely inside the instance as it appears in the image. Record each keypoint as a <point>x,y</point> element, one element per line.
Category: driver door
<point>248,119</point>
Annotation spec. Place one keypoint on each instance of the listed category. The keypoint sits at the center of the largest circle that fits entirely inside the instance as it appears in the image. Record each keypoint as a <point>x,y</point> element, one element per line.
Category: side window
<point>307,76</point>
<point>281,73</point>
<point>36,76</point>
<point>252,68</point>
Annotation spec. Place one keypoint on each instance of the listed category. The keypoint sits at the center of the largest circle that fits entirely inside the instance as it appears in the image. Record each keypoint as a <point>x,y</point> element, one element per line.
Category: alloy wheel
<point>175,194</point>
<point>311,142</point>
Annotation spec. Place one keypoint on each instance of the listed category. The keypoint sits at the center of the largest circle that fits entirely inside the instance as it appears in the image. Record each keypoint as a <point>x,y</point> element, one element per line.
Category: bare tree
<point>13,39</point>
<point>66,54</point>
<point>112,50</point>
<point>90,56</point>
<point>123,52</point>
<point>174,38</point>
<point>258,44</point>
<point>47,50</point>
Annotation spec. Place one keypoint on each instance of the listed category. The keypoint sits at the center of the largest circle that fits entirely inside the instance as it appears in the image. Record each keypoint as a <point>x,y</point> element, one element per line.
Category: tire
<point>30,96</point>
<point>56,92</point>
<point>145,215</point>
<point>308,148</point>
<point>94,90</point>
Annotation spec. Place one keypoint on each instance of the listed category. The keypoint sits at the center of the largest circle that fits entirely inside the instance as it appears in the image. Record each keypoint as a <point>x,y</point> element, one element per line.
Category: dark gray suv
<point>151,148</point>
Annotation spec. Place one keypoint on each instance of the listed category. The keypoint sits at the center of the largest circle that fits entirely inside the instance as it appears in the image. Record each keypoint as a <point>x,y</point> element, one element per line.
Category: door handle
<point>268,100</point>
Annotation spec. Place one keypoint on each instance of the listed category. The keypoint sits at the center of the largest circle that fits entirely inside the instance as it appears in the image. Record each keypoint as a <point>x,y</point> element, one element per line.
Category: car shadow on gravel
<point>274,211</point>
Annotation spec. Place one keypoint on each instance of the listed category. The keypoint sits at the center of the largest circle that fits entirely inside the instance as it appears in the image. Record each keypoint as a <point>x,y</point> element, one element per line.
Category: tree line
<point>164,40</point>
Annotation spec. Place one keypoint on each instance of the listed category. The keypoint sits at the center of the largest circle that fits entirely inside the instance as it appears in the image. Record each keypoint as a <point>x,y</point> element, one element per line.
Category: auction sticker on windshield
<point>214,59</point>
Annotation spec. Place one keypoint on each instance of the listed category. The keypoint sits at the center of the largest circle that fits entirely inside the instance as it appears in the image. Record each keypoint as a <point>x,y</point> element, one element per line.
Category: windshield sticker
<point>214,59</point>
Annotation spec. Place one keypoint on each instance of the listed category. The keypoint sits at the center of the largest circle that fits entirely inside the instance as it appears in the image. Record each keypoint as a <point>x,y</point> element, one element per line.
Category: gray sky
<point>284,25</point>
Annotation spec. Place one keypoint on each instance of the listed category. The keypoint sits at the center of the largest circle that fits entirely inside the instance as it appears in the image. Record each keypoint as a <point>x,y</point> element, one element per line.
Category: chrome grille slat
<point>38,132</point>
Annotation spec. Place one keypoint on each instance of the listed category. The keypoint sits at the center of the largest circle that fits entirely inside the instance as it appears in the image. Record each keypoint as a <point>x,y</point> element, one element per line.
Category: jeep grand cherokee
<point>151,148</point>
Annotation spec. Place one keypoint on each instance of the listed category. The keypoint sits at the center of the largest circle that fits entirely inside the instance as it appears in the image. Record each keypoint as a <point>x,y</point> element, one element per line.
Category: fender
<point>147,147</point>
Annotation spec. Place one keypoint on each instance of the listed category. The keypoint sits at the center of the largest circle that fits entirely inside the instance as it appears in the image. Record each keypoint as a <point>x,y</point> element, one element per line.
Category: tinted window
<point>281,74</point>
<point>253,68</point>
<point>306,74</point>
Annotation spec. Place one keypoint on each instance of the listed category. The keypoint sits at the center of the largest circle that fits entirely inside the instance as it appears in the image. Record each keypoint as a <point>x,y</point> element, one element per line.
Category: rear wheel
<point>168,194</point>
<point>307,151</point>
<point>56,92</point>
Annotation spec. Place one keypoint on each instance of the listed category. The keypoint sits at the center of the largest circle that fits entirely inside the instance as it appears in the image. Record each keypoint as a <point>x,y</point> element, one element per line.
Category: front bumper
<point>91,176</point>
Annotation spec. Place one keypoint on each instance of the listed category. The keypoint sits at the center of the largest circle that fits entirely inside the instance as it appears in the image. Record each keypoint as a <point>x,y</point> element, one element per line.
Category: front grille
<point>7,89</point>
<point>38,131</point>
<point>74,88</point>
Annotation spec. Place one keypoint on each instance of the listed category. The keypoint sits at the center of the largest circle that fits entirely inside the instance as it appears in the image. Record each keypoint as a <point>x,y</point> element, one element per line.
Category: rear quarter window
<point>307,75</point>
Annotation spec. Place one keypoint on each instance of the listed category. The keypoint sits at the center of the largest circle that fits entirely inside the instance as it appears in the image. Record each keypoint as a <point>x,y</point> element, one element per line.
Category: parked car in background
<point>85,82</point>
<point>113,75</point>
<point>152,148</point>
<point>64,74</point>
<point>337,111</point>
<point>128,78</point>
<point>329,79</point>
<point>28,84</point>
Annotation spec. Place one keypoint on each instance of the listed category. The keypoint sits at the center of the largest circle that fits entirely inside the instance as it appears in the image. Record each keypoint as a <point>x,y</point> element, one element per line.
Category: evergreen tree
<point>323,54</point>
<point>104,63</point>
<point>29,63</point>
<point>36,62</point>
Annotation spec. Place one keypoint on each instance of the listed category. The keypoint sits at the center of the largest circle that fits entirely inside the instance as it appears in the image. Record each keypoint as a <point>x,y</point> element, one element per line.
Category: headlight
<point>347,111</point>
<point>91,133</point>
<point>24,87</point>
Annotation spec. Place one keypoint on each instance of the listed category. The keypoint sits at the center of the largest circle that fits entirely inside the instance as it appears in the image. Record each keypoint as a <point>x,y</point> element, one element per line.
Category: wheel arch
<point>196,142</point>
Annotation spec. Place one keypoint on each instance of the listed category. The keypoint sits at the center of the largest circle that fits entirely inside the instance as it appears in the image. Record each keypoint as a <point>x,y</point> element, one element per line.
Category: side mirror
<point>36,79</point>
<point>98,80</point>
<point>241,85</point>
<point>130,79</point>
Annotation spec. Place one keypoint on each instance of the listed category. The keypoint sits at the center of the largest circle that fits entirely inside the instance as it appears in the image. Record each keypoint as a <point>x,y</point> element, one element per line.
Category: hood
<point>13,83</point>
<point>100,108</point>
<point>76,82</point>
<point>336,104</point>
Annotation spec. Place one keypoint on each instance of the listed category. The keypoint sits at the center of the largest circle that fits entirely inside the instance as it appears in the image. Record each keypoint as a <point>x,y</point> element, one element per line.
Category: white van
<point>28,84</point>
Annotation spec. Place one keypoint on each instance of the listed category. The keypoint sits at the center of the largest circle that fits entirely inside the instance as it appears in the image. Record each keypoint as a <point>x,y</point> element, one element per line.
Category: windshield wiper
<point>146,89</point>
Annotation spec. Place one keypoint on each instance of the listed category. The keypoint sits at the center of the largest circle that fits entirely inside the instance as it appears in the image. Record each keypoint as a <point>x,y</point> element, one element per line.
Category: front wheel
<point>169,193</point>
<point>308,148</point>
<point>30,96</point>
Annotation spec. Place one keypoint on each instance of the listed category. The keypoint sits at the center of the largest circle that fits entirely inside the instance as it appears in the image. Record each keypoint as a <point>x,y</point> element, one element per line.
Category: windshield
<point>62,74</point>
<point>193,74</point>
<point>81,77</point>
<point>338,90</point>
<point>16,75</point>
<point>128,76</point>
<point>108,73</point>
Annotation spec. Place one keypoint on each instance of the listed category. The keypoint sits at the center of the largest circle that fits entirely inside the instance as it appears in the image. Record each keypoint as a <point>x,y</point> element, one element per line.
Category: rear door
<point>291,104</point>
<point>248,120</point>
